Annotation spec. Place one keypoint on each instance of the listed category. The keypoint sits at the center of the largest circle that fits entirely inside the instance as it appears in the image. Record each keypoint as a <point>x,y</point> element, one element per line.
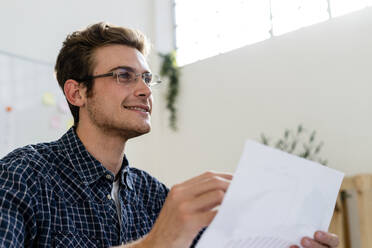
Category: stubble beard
<point>108,125</point>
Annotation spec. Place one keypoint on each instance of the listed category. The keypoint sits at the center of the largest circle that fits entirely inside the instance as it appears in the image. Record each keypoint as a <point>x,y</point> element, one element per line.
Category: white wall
<point>318,76</point>
<point>37,28</point>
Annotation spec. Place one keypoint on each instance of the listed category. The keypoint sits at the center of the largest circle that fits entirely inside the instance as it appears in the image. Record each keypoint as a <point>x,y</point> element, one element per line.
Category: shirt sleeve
<point>17,218</point>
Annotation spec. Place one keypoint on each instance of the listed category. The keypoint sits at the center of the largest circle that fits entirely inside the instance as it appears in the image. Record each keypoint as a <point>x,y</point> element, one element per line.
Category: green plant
<point>170,70</point>
<point>300,142</point>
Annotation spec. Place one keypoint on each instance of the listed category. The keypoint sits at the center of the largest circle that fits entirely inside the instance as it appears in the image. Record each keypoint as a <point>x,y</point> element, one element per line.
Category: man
<point>80,191</point>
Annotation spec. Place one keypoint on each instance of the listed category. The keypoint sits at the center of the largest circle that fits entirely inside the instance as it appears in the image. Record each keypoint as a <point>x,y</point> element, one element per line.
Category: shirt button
<point>108,176</point>
<point>109,197</point>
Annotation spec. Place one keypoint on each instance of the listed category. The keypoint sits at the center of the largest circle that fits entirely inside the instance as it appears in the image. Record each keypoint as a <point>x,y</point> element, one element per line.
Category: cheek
<point>106,105</point>
<point>113,99</point>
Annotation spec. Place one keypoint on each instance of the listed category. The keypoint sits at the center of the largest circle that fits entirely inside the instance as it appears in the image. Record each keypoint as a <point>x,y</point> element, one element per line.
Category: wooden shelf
<point>362,185</point>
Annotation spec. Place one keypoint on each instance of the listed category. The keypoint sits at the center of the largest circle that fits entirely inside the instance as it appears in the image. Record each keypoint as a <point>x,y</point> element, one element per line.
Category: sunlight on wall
<point>209,27</point>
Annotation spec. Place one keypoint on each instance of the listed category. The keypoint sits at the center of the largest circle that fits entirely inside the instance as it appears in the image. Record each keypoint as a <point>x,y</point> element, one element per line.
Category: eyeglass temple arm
<point>97,76</point>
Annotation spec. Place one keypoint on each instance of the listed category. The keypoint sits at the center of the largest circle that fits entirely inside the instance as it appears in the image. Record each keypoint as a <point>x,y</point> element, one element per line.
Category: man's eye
<point>147,78</point>
<point>125,75</point>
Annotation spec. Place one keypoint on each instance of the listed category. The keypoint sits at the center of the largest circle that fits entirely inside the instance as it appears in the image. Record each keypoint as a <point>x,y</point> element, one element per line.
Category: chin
<point>135,132</point>
<point>145,130</point>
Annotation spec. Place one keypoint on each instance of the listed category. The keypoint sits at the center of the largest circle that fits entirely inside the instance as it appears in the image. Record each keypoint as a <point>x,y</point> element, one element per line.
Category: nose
<point>142,89</point>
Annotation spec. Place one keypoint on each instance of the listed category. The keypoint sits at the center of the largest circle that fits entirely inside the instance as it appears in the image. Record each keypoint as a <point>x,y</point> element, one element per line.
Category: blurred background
<point>247,68</point>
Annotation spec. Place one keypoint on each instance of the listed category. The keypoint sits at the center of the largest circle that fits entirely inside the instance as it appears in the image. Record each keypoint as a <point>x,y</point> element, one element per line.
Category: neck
<point>105,147</point>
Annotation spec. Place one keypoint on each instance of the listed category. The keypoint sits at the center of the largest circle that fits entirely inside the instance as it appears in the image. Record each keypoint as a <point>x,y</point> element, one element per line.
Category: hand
<point>188,208</point>
<point>321,240</point>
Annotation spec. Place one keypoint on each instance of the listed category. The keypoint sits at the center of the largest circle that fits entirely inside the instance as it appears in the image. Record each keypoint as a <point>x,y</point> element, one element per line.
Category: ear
<point>75,93</point>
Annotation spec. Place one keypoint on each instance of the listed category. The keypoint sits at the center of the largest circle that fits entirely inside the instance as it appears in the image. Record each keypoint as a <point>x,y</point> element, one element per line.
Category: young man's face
<point>111,107</point>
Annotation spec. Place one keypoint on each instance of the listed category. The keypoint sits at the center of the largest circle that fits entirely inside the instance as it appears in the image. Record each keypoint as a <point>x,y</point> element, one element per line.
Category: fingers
<point>200,185</point>
<point>210,184</point>
<point>310,243</point>
<point>206,201</point>
<point>321,240</point>
<point>207,175</point>
<point>328,239</point>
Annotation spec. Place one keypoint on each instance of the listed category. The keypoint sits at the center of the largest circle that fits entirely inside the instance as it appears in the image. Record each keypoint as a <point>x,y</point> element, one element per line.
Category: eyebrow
<point>127,68</point>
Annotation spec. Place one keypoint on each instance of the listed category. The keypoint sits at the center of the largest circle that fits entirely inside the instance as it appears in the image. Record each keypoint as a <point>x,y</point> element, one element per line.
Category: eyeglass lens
<point>126,76</point>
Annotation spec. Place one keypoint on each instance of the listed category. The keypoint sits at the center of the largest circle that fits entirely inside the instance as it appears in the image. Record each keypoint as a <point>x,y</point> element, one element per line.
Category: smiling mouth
<point>142,109</point>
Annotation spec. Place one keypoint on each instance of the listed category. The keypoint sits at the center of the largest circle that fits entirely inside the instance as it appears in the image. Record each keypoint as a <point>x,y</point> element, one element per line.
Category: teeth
<point>137,108</point>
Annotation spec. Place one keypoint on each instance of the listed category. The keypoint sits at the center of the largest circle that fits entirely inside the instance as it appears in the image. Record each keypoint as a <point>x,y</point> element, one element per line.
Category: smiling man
<point>80,190</point>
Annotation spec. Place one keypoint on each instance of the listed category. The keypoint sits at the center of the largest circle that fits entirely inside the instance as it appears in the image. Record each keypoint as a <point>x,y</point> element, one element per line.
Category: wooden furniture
<point>360,187</point>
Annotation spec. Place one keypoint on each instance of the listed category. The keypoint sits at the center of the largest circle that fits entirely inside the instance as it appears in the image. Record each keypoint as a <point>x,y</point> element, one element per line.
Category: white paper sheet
<point>274,200</point>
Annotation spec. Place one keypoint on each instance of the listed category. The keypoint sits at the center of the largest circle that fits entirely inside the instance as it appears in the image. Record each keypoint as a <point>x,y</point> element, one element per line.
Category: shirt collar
<point>125,174</point>
<point>87,167</point>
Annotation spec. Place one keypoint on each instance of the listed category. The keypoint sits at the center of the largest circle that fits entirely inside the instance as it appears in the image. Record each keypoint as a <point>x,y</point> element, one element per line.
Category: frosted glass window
<point>342,7</point>
<point>205,28</point>
<point>289,15</point>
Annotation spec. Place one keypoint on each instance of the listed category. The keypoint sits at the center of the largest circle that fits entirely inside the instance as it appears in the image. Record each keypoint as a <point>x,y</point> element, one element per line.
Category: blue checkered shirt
<point>58,195</point>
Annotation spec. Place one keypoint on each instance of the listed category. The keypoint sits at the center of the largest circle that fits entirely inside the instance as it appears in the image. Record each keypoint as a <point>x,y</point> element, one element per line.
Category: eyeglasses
<point>127,76</point>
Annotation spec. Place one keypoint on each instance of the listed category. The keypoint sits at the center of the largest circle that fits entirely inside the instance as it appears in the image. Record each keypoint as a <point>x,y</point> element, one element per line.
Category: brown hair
<point>76,61</point>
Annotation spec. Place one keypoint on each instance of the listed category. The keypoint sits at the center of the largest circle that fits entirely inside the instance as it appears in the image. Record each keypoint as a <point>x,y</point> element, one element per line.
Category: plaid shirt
<point>58,195</point>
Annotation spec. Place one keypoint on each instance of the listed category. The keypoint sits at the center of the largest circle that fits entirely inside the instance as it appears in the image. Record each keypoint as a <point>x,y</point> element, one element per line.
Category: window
<point>205,28</point>
<point>209,27</point>
<point>341,7</point>
<point>289,15</point>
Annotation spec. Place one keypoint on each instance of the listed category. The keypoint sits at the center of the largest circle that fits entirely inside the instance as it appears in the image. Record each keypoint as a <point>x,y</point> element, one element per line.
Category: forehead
<point>111,56</point>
